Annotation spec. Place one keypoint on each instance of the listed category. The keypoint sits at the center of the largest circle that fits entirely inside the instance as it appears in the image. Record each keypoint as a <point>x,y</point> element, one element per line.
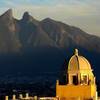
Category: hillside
<point>29,47</point>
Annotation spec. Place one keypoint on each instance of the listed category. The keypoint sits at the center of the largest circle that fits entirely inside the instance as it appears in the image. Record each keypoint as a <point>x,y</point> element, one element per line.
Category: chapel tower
<point>81,81</point>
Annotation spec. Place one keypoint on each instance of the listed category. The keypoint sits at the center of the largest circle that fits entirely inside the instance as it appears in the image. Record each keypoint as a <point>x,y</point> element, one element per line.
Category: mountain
<point>29,32</point>
<point>29,47</point>
<point>66,36</point>
<point>9,41</point>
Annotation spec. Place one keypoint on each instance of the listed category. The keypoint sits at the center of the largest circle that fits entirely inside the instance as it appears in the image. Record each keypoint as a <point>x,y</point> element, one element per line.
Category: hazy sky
<point>82,13</point>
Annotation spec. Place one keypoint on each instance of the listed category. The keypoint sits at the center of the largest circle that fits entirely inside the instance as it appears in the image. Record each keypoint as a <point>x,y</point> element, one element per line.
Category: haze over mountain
<point>42,43</point>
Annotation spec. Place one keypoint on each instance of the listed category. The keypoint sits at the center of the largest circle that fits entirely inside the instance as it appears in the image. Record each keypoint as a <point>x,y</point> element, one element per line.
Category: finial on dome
<point>76,52</point>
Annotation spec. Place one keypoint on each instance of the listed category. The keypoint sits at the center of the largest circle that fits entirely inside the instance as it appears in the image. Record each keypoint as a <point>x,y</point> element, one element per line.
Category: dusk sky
<point>82,13</point>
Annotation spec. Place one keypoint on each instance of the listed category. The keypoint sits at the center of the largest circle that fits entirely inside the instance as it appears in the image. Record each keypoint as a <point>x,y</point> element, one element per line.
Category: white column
<point>35,98</point>
<point>96,97</point>
<point>20,96</point>
<point>79,78</point>
<point>6,97</point>
<point>27,95</point>
<point>69,79</point>
<point>57,82</point>
<point>14,97</point>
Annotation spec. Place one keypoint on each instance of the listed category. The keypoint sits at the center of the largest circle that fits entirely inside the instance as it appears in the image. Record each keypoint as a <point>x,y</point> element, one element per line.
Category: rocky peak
<point>27,17</point>
<point>8,15</point>
<point>48,20</point>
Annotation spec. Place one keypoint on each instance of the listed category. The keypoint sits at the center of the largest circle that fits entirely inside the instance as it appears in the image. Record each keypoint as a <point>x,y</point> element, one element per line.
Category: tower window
<point>75,80</point>
<point>84,79</point>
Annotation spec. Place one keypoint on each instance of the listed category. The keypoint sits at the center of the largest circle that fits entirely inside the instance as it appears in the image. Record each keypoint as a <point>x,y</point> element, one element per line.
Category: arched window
<point>75,79</point>
<point>84,79</point>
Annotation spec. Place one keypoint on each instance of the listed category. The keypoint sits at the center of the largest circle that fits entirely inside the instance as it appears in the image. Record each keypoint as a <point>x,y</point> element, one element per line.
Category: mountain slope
<point>41,46</point>
<point>29,32</point>
<point>66,36</point>
<point>8,39</point>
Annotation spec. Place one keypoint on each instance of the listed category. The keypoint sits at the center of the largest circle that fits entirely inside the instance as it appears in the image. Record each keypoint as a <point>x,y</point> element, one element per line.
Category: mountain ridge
<point>47,32</point>
<point>28,46</point>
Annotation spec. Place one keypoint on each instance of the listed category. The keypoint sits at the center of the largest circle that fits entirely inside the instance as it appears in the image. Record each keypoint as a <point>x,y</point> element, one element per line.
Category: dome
<point>78,62</point>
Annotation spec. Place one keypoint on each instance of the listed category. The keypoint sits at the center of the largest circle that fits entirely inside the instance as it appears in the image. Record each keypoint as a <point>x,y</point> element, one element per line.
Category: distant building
<point>80,83</point>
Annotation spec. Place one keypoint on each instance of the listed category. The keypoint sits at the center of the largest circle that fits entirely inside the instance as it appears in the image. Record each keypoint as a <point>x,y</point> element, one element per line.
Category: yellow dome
<point>78,62</point>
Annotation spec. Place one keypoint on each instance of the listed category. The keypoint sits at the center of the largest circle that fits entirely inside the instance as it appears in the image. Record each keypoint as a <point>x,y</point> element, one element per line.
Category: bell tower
<point>79,70</point>
<point>73,70</point>
<point>81,81</point>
